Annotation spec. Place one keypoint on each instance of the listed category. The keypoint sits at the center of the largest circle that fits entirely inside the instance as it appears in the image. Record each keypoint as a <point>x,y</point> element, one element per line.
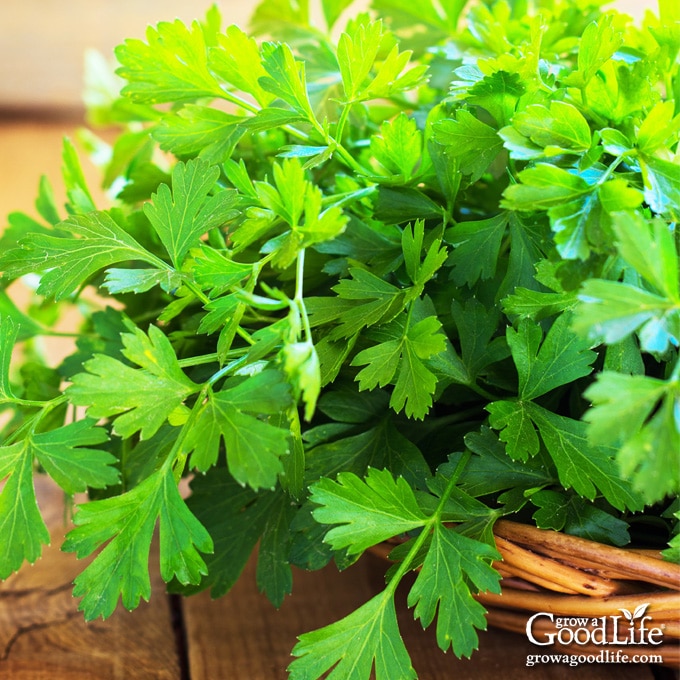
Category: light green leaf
<point>561,127</point>
<point>237,60</point>
<point>616,195</point>
<point>473,143</point>
<point>200,131</point>
<point>142,399</point>
<point>399,145</point>
<point>141,280</point>
<point>614,420</point>
<point>79,198</point>
<point>9,332</point>
<point>646,432</point>
<point>63,455</point>
<point>583,466</point>
<point>366,639</point>
<point>127,522</point>
<point>599,42</point>
<point>662,185</point>
<point>301,364</point>
<point>22,527</point>
<point>83,245</point>
<point>171,66</point>
<point>367,511</point>
<point>650,248</point>
<point>498,92</point>
<point>544,186</point>
<point>216,272</point>
<point>574,224</point>
<point>659,129</point>
<point>357,52</point>
<point>452,563</point>
<point>182,215</point>
<point>610,311</point>
<point>286,78</point>
<point>563,356</point>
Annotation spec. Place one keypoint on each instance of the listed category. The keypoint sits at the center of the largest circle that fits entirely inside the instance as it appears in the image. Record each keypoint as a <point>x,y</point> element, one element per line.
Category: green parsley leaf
<point>9,331</point>
<point>142,399</point>
<point>63,454</point>
<point>171,66</point>
<point>23,528</point>
<point>562,358</point>
<point>599,42</point>
<point>141,280</point>
<point>642,426</point>
<point>237,60</point>
<point>474,143</point>
<point>440,589</point>
<point>610,311</point>
<point>367,511</point>
<point>254,447</point>
<point>235,516</point>
<point>476,327</point>
<point>366,639</point>
<point>577,517</point>
<point>286,78</point>
<point>200,131</point>
<point>544,186</point>
<point>369,300</point>
<point>127,522</point>
<point>82,246</point>
<point>477,246</point>
<point>581,465</point>
<point>398,147</point>
<point>403,355</point>
<point>182,215</point>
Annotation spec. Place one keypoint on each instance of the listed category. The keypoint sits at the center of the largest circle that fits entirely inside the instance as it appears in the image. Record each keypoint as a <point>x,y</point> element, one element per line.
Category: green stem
<point>229,368</point>
<point>342,121</point>
<point>177,458</point>
<point>405,566</point>
<point>299,291</point>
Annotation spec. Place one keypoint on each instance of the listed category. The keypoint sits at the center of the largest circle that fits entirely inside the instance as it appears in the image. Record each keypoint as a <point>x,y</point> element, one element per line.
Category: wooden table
<point>239,637</point>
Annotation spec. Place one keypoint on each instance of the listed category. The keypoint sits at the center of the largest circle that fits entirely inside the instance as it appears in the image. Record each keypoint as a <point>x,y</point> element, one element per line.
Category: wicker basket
<point>574,578</point>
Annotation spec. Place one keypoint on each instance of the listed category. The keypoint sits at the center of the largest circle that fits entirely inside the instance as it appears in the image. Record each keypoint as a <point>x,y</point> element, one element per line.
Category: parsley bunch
<point>402,275</point>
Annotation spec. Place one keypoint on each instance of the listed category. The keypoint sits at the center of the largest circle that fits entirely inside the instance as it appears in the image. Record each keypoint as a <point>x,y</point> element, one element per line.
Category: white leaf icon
<point>640,611</point>
<point>627,614</point>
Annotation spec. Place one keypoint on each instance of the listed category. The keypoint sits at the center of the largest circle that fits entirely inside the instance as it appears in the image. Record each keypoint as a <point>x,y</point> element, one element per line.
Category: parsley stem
<point>298,299</point>
<point>405,566</point>
<point>225,370</point>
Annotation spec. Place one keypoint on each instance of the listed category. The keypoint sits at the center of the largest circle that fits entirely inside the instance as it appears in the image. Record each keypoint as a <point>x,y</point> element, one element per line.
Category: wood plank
<point>44,637</point>
<point>242,636</point>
